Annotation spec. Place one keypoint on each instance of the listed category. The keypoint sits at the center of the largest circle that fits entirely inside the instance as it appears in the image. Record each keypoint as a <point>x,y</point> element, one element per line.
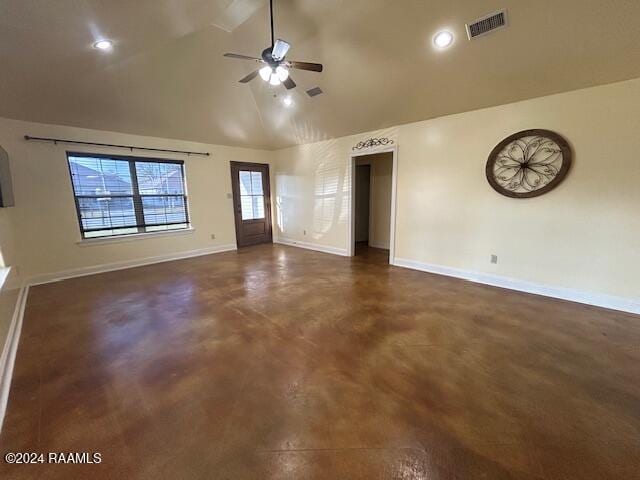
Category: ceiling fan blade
<point>289,83</point>
<point>250,77</point>
<point>241,57</point>
<point>312,67</point>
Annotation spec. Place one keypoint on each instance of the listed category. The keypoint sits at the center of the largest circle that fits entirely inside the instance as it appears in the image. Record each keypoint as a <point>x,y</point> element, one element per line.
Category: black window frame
<point>136,197</point>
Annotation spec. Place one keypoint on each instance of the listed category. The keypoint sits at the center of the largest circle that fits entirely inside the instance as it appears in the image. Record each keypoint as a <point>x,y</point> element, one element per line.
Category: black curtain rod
<point>128,147</point>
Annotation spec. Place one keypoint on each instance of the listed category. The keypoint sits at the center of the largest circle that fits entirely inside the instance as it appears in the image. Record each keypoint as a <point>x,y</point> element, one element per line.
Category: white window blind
<point>125,195</point>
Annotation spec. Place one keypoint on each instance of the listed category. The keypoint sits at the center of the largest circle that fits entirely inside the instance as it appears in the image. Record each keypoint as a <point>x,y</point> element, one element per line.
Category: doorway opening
<point>251,203</point>
<point>373,206</point>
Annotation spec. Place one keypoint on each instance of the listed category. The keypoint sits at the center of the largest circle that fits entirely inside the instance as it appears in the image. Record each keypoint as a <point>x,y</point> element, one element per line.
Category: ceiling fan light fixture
<point>275,69</point>
<point>275,80</point>
<point>282,73</point>
<point>265,73</point>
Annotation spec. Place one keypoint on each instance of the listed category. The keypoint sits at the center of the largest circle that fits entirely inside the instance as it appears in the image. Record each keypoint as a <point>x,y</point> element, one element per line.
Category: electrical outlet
<point>494,258</point>
<point>304,232</point>
<point>213,236</point>
<point>229,196</point>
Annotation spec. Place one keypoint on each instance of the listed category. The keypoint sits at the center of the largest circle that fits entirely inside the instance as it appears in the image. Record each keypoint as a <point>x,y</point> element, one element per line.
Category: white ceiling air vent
<point>487,24</point>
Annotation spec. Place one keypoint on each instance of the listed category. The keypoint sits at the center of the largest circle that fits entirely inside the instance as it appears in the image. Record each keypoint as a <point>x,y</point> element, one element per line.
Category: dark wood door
<point>251,202</point>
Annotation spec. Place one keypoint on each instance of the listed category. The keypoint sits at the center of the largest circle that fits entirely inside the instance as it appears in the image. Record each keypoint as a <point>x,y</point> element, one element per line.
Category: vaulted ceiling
<point>166,76</point>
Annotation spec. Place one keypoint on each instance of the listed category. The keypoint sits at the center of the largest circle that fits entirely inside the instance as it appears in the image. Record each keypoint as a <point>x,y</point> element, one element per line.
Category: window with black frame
<point>125,195</point>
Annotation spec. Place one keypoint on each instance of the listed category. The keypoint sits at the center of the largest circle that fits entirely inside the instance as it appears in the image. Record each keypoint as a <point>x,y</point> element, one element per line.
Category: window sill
<point>87,242</point>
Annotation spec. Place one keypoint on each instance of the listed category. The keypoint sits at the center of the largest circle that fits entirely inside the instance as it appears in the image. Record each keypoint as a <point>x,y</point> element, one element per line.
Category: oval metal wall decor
<point>528,163</point>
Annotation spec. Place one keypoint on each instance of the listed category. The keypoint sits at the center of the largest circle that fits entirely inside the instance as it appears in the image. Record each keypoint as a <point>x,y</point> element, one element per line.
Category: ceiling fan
<point>276,68</point>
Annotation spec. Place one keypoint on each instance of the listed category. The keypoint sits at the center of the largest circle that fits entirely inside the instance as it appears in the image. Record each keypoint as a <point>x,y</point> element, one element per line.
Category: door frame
<point>353,156</point>
<point>237,219</point>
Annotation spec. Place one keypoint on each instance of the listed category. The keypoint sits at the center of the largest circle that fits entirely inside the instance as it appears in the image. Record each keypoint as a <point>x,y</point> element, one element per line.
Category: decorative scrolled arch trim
<point>373,142</point>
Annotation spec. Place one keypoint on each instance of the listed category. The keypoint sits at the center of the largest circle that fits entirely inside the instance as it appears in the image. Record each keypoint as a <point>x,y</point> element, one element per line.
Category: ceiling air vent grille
<point>313,92</point>
<point>487,24</point>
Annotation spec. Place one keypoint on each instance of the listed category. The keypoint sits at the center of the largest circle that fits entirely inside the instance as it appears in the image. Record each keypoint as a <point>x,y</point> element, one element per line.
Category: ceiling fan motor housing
<point>268,58</point>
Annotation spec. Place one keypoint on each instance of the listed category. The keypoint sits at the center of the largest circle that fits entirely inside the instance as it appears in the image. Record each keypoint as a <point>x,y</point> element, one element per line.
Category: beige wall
<point>312,189</point>
<point>585,235</point>
<point>45,220</point>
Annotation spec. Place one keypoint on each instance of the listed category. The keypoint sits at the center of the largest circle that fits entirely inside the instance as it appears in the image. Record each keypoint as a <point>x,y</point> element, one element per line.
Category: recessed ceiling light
<point>103,45</point>
<point>443,39</point>
<point>288,101</point>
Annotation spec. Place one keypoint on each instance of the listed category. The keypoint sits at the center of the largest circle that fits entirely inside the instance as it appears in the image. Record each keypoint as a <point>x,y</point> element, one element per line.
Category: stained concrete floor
<point>283,363</point>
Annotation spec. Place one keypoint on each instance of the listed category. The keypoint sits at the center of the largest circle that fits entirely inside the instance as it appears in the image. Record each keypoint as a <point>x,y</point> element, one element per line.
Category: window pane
<point>111,233</point>
<point>256,183</point>
<point>247,207</point>
<point>106,212</point>
<point>245,182</point>
<point>163,228</point>
<point>252,207</point>
<point>111,201</point>
<point>100,176</point>
<point>163,210</point>
<point>258,206</point>
<point>159,178</point>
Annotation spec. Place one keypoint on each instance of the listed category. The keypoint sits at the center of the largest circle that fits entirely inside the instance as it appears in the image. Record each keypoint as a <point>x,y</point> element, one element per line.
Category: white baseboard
<point>595,299</point>
<point>9,350</point>
<point>378,245</point>
<point>110,267</point>
<point>311,246</point>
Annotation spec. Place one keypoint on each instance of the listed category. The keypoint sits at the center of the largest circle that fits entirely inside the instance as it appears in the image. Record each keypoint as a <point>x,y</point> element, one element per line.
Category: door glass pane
<point>247,208</point>
<point>252,207</point>
<point>245,182</point>
<point>251,195</point>
<point>258,206</point>
<point>256,183</point>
